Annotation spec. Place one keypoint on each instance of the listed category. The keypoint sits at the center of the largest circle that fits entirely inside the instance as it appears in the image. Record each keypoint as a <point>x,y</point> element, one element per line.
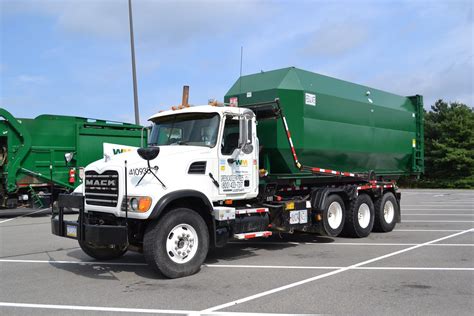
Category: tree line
<point>449,147</point>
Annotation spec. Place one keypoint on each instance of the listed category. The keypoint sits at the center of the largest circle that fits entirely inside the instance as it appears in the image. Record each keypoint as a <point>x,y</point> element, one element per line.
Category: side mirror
<point>149,153</point>
<point>68,157</point>
<point>142,136</point>
<point>245,135</point>
<point>243,132</point>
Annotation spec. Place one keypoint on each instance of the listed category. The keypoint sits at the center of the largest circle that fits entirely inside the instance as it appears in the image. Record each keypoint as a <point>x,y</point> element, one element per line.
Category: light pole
<point>134,70</point>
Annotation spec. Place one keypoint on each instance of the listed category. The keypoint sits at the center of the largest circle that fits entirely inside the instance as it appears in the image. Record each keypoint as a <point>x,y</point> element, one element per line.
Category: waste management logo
<point>116,149</point>
<point>243,163</point>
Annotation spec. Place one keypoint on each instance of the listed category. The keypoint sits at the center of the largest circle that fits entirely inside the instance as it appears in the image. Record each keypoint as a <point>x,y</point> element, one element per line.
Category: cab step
<point>253,235</point>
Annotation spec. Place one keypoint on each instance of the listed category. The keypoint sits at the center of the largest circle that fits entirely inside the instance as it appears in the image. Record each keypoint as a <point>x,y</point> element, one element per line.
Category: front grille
<point>198,167</point>
<point>102,189</point>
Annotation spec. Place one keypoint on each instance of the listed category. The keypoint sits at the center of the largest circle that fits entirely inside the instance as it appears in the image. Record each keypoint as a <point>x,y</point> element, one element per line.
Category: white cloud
<point>445,71</point>
<point>336,39</point>
<point>32,79</point>
<point>168,21</point>
<point>451,82</point>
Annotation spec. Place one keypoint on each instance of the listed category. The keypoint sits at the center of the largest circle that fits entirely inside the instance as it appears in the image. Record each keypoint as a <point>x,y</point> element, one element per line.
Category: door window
<point>230,138</point>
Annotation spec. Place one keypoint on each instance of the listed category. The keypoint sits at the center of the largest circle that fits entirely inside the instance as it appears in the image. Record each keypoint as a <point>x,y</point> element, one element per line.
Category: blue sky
<point>73,57</point>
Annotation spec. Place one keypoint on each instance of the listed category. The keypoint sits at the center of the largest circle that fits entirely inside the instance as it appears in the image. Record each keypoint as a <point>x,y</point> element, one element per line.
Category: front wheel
<point>177,244</point>
<point>103,252</point>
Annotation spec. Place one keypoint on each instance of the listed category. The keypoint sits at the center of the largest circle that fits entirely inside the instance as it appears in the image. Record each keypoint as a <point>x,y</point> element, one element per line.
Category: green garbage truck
<point>289,150</point>
<point>44,156</point>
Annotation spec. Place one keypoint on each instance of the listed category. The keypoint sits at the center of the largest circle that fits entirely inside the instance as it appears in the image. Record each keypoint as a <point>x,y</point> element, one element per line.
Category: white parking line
<point>250,266</point>
<point>444,209</point>
<point>324,275</point>
<point>433,221</point>
<point>438,208</point>
<point>427,230</point>
<point>342,243</point>
<point>438,193</point>
<point>10,219</point>
<point>387,244</point>
<point>415,268</point>
<point>429,214</point>
<point>128,310</point>
<point>73,262</point>
<point>455,205</point>
<point>114,263</point>
<point>99,308</point>
<point>438,203</point>
<point>243,266</point>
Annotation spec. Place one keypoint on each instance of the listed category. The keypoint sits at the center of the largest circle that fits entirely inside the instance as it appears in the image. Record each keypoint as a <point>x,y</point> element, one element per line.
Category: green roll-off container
<point>334,124</point>
<point>32,151</point>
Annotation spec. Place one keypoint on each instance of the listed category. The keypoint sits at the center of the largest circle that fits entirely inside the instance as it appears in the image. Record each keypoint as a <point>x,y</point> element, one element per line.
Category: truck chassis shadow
<point>231,252</point>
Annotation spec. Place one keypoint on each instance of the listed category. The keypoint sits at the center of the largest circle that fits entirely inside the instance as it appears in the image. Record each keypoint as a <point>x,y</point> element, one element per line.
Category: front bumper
<point>80,230</point>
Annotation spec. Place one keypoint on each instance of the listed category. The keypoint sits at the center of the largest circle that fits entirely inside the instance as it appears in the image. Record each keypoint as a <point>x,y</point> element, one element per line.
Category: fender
<point>318,196</point>
<point>173,196</point>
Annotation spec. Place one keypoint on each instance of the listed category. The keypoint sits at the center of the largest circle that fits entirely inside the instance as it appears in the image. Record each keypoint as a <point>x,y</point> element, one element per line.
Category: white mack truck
<point>204,179</point>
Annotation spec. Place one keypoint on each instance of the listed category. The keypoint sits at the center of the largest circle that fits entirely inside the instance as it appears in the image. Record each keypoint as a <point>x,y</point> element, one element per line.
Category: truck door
<point>238,156</point>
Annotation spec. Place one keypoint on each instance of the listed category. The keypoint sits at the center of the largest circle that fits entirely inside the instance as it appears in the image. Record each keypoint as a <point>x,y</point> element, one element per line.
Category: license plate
<point>294,217</point>
<point>71,231</point>
<point>299,217</point>
<point>303,216</point>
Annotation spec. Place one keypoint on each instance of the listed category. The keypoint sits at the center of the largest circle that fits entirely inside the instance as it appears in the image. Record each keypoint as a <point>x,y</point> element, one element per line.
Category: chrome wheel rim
<point>182,243</point>
<point>363,215</point>
<point>388,212</point>
<point>335,215</point>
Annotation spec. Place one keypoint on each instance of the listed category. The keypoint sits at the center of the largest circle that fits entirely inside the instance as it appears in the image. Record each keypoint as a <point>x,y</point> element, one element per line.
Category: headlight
<point>134,204</point>
<point>140,204</point>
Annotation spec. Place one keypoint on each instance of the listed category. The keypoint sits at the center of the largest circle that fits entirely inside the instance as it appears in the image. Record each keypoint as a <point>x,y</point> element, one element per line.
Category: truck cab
<point>205,164</point>
<point>207,149</point>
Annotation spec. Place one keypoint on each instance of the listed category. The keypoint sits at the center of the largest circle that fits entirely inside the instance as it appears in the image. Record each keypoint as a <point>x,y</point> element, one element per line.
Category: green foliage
<point>449,146</point>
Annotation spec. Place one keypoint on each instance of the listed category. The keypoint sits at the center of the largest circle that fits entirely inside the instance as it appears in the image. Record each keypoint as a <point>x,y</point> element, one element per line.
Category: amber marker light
<point>144,204</point>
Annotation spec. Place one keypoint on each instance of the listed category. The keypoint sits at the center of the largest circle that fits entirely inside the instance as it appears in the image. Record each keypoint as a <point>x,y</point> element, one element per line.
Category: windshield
<point>195,129</point>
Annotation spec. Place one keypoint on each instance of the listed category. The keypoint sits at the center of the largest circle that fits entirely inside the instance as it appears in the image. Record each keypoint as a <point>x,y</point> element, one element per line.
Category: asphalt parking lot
<point>425,266</point>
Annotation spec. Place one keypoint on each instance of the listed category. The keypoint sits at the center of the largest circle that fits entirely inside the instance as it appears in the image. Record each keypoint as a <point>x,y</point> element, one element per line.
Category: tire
<point>103,252</point>
<point>333,215</point>
<point>359,217</point>
<point>386,212</point>
<point>168,251</point>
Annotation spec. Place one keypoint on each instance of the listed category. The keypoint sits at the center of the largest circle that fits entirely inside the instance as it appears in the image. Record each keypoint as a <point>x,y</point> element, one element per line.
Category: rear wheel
<point>359,217</point>
<point>333,215</point>
<point>386,210</point>
<point>107,252</point>
<point>177,244</point>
